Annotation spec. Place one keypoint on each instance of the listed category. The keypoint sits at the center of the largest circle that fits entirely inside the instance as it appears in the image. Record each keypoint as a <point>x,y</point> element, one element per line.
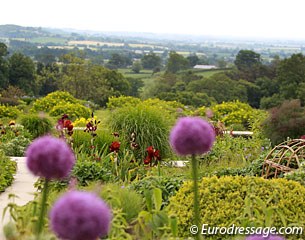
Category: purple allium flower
<point>50,157</point>
<point>80,216</point>
<point>261,237</point>
<point>192,135</point>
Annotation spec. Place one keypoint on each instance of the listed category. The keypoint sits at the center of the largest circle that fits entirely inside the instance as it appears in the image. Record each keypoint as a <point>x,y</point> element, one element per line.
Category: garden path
<point>23,187</point>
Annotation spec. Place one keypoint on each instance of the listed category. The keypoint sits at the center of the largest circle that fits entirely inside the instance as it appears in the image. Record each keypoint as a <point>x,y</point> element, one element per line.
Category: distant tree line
<point>262,85</point>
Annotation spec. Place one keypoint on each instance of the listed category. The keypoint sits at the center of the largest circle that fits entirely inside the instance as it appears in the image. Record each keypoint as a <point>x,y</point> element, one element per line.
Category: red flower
<point>70,128</point>
<point>150,151</point>
<point>67,123</point>
<point>147,160</point>
<point>115,146</point>
<point>157,155</point>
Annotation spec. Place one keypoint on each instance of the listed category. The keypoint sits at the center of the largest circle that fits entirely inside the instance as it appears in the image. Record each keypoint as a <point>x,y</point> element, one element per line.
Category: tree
<point>176,62</point>
<point>291,77</point>
<point>193,60</point>
<point>118,61</point>
<point>249,65</point>
<point>151,61</point>
<point>22,72</point>
<point>4,68</point>
<point>135,86</point>
<point>220,87</point>
<point>47,78</point>
<point>136,66</point>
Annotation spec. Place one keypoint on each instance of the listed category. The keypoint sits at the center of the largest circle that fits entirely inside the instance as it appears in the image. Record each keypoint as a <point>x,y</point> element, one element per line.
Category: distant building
<point>205,67</point>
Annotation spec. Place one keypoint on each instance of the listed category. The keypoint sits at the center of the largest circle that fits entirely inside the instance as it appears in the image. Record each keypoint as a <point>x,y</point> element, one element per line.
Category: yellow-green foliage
<point>224,201</point>
<point>81,122</point>
<point>9,112</point>
<point>122,101</point>
<point>168,106</point>
<point>73,110</point>
<point>51,100</point>
<point>236,112</point>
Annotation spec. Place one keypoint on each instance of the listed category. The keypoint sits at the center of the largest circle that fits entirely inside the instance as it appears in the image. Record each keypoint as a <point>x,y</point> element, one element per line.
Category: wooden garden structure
<point>284,158</point>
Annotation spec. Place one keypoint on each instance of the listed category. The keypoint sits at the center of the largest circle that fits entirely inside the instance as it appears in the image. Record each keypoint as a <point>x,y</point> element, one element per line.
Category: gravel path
<point>22,187</point>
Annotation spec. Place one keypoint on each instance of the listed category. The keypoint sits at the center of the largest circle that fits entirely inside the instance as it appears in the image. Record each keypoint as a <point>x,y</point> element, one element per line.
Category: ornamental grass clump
<point>80,216</point>
<point>49,158</point>
<point>193,136</point>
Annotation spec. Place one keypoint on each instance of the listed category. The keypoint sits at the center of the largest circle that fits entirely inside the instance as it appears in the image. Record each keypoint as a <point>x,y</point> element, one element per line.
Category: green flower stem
<point>196,196</point>
<point>43,205</point>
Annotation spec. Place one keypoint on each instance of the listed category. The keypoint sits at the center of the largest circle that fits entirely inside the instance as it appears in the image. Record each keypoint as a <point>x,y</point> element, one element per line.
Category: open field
<point>45,40</point>
<point>208,73</point>
<point>129,73</point>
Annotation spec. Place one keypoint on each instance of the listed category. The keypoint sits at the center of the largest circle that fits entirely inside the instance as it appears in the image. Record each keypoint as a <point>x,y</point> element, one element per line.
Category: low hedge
<point>242,201</point>
<point>8,169</point>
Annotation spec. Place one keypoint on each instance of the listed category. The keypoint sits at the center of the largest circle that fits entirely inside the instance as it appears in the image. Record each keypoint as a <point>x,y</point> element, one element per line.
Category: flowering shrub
<point>74,110</point>
<point>51,100</point>
<point>9,112</point>
<point>224,201</point>
<point>172,107</point>
<point>122,101</point>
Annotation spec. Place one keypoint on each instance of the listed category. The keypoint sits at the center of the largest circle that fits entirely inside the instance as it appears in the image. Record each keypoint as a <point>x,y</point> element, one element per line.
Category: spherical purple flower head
<point>261,237</point>
<point>192,135</point>
<point>50,157</point>
<point>80,216</point>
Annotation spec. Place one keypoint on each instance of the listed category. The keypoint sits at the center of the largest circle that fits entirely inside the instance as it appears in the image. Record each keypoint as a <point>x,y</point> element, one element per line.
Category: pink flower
<point>50,157</point>
<point>80,216</point>
<point>192,135</point>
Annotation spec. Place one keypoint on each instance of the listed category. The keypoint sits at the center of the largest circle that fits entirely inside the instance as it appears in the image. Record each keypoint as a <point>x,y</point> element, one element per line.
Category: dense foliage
<point>224,201</point>
<point>8,169</point>
<point>287,120</point>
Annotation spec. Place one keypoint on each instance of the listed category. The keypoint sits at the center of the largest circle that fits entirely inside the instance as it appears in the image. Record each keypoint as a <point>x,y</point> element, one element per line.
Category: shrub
<point>122,101</point>
<point>36,125</point>
<point>150,125</point>
<point>8,169</point>
<point>287,120</point>
<point>82,140</point>
<point>241,201</point>
<point>168,185</point>
<point>9,112</point>
<point>16,147</point>
<point>89,171</point>
<point>234,113</point>
<point>51,100</point>
<point>120,197</point>
<point>73,110</point>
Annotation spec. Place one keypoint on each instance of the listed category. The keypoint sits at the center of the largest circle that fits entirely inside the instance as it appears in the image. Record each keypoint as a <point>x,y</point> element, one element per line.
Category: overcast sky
<point>247,18</point>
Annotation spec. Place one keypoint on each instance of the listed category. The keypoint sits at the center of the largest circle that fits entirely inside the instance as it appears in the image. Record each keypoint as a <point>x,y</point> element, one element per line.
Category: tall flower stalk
<point>193,136</point>
<point>49,158</point>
